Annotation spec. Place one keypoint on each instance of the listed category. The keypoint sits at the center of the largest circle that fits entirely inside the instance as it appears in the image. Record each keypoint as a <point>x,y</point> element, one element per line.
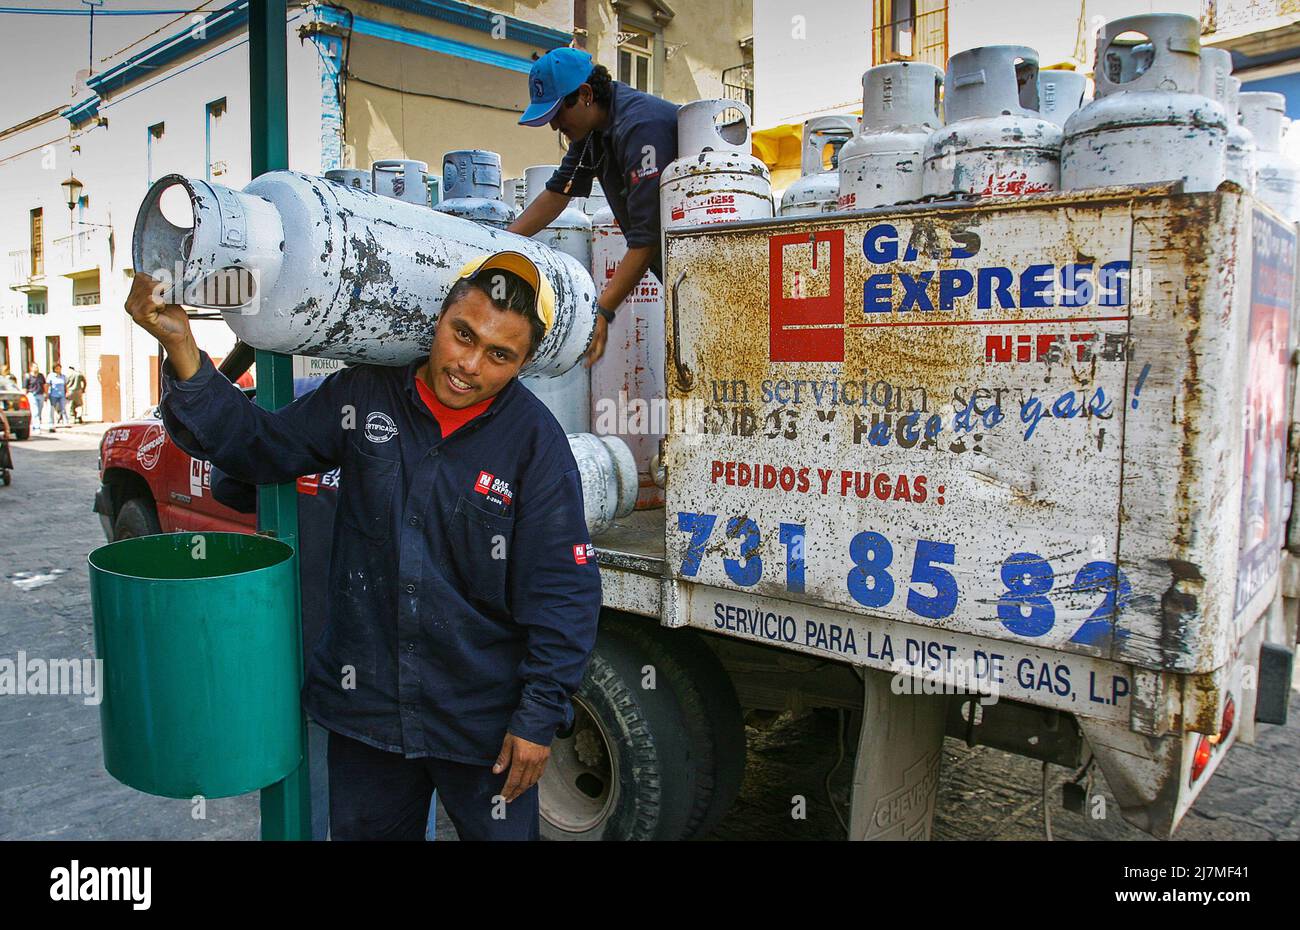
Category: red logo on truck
<point>806,316</point>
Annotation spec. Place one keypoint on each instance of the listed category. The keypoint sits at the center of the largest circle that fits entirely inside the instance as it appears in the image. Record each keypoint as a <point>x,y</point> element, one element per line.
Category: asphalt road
<point>53,783</point>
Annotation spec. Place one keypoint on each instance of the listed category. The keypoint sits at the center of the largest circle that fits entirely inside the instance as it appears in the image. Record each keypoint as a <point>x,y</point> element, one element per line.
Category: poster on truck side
<point>1264,411</point>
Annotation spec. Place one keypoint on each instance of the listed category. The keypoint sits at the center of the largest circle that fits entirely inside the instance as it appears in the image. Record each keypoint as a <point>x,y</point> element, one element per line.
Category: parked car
<point>13,401</point>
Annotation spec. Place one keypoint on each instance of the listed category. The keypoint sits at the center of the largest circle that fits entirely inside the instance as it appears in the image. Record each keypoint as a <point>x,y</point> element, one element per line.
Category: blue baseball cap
<point>553,77</point>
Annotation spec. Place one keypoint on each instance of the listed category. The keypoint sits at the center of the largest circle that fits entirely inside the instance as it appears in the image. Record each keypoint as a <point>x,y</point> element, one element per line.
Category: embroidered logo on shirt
<point>380,427</point>
<point>497,490</point>
<point>583,553</point>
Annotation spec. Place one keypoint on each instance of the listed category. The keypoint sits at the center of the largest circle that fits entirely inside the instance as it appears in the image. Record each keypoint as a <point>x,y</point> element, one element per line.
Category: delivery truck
<point>1015,471</point>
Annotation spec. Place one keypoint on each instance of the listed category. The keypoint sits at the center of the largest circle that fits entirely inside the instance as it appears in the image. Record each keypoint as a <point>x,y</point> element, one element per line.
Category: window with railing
<point>910,30</point>
<point>77,250</point>
<point>36,304</point>
<point>85,290</point>
<point>738,84</point>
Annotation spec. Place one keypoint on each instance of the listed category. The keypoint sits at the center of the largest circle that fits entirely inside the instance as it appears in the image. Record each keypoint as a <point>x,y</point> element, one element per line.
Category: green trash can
<point>202,661</point>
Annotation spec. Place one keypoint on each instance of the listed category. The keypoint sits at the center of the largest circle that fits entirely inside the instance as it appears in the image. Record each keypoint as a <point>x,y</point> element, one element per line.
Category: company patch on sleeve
<point>584,553</point>
<point>637,175</point>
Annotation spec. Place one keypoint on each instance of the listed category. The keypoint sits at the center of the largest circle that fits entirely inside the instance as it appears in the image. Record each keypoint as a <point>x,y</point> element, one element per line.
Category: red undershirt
<point>449,419</point>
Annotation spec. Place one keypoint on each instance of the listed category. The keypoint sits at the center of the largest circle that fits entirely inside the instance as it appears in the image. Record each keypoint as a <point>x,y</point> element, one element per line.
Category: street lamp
<point>73,187</point>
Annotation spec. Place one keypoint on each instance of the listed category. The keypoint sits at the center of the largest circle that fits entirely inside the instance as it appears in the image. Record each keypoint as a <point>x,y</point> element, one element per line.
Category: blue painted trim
<point>84,11</point>
<point>82,112</point>
<point>330,51</point>
<point>212,27</point>
<point>472,17</point>
<point>426,41</point>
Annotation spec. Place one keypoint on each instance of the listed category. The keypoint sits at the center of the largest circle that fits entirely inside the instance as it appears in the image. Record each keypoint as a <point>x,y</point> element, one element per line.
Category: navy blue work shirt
<point>464,592</point>
<point>628,157</point>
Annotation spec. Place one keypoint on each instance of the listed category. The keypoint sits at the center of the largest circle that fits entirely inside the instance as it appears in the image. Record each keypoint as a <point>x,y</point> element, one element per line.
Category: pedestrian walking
<point>57,387</point>
<point>34,385</point>
<point>76,393</point>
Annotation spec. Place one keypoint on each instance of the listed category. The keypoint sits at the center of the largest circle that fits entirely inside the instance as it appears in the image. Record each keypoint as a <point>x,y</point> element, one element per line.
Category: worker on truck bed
<point>617,133</point>
<point>464,588</point>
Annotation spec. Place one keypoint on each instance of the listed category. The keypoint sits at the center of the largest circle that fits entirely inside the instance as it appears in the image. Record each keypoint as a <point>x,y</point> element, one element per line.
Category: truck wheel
<point>710,710</point>
<point>622,771</point>
<point>136,518</point>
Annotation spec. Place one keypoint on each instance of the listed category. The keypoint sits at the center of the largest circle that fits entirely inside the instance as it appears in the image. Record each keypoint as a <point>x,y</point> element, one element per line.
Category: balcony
<point>26,274</point>
<point>80,253</point>
<point>738,84</point>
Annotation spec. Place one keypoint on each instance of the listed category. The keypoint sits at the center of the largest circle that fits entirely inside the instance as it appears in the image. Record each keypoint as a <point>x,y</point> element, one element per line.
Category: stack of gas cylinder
<point>715,179</point>
<point>568,397</point>
<point>996,125</point>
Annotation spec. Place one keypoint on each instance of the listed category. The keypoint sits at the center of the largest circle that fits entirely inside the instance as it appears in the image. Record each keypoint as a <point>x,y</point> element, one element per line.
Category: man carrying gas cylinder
<point>616,133</point>
<point>464,591</point>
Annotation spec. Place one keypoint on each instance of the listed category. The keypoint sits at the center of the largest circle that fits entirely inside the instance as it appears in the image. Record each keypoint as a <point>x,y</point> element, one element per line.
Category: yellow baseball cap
<point>522,265</point>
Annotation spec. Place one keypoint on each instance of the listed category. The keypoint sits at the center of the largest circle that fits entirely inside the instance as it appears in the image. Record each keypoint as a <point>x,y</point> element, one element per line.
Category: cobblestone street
<point>53,784</point>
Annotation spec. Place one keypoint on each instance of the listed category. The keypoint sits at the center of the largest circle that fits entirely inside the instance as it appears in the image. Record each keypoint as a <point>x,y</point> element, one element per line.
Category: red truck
<point>149,485</point>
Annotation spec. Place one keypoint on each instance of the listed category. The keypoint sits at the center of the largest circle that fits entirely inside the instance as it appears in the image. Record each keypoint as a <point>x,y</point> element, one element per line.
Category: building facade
<point>408,79</point>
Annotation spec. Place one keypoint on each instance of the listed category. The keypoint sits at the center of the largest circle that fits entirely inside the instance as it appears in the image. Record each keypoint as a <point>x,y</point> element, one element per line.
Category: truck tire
<point>136,517</point>
<point>622,771</point>
<point>710,711</point>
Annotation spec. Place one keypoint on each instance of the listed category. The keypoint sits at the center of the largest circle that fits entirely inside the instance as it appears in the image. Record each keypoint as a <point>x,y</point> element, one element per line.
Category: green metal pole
<point>286,805</point>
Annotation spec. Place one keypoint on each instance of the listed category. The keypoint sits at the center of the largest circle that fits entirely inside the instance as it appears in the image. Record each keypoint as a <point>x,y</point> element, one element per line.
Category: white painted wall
<point>112,165</point>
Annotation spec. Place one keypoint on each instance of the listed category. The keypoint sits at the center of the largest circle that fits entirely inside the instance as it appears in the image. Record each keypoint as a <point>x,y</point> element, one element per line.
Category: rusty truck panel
<point>1055,423</point>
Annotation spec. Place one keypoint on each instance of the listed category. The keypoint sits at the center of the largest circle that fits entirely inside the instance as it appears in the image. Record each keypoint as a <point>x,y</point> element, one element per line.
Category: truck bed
<point>631,557</point>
